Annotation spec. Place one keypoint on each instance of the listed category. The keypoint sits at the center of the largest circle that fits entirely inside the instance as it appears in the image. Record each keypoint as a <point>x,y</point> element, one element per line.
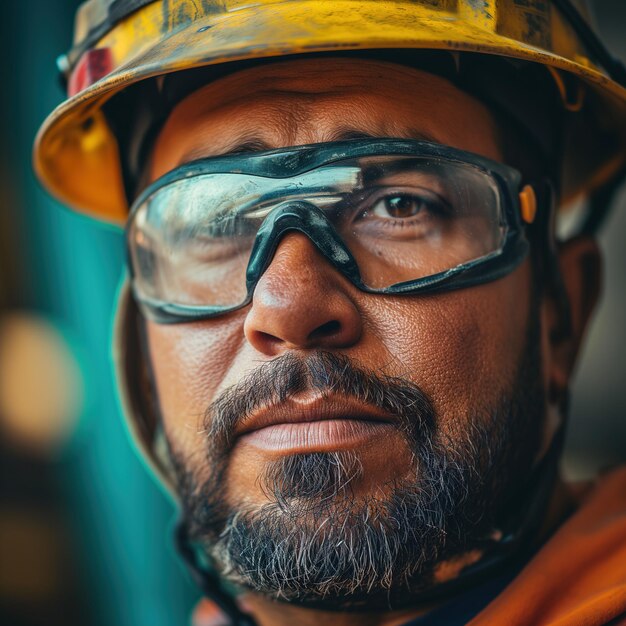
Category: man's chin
<point>334,553</point>
<point>303,483</point>
<point>318,541</point>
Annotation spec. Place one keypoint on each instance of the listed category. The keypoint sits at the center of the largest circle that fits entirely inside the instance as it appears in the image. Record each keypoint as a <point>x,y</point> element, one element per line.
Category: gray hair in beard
<point>315,542</point>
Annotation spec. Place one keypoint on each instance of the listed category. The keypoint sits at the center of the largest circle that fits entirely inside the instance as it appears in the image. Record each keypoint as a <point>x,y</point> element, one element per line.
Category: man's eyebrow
<point>245,145</point>
<point>256,144</point>
<point>344,134</point>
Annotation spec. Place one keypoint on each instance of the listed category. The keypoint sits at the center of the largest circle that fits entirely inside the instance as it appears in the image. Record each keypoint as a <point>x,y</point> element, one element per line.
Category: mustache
<point>325,373</point>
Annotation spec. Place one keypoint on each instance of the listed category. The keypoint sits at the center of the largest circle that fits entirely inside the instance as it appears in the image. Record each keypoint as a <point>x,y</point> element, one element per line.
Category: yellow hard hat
<point>119,43</point>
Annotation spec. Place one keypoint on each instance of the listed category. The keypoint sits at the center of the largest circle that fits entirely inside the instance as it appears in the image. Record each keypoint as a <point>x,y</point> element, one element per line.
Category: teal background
<point>68,268</point>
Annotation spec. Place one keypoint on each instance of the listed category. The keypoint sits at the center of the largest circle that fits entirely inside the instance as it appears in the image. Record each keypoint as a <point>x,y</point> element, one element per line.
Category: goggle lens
<point>402,218</point>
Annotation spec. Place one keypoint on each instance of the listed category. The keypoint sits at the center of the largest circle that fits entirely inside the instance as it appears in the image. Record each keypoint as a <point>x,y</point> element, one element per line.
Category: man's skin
<point>462,348</point>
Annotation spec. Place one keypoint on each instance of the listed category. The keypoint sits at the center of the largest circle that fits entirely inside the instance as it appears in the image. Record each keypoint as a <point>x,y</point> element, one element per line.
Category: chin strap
<point>519,537</point>
<point>207,581</point>
<point>520,529</point>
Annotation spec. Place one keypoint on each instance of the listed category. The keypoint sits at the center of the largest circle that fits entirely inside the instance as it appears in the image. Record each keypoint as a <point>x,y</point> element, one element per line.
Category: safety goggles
<point>393,216</point>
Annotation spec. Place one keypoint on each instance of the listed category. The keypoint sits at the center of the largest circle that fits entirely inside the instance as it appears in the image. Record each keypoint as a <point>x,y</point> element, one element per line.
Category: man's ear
<point>580,264</point>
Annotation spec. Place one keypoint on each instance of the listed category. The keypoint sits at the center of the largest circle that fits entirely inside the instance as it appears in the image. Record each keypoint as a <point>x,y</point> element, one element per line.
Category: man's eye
<point>405,205</point>
<point>399,206</point>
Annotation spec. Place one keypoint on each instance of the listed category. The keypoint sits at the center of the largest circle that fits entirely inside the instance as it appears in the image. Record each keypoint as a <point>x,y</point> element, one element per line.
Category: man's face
<point>329,443</point>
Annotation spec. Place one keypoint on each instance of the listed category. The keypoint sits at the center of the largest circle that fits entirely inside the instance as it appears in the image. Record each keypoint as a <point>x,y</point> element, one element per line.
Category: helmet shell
<point>119,43</point>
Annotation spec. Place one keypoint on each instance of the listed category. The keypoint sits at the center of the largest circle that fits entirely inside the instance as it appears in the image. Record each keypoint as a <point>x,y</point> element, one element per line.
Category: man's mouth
<point>315,424</point>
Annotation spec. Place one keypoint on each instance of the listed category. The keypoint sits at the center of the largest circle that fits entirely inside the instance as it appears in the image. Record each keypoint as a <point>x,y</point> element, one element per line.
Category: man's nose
<point>301,302</point>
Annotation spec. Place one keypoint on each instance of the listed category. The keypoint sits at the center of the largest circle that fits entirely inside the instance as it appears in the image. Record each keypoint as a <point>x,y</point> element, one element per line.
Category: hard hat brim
<point>76,153</point>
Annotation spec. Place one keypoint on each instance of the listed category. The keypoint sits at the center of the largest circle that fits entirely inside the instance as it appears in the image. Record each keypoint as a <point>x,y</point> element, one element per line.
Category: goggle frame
<point>306,218</point>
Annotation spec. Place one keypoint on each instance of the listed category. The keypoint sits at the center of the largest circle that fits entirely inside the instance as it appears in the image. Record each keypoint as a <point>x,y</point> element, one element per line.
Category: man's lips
<point>315,424</point>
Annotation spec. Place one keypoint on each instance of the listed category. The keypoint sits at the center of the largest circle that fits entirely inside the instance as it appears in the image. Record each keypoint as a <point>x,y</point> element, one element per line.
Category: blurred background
<point>84,532</point>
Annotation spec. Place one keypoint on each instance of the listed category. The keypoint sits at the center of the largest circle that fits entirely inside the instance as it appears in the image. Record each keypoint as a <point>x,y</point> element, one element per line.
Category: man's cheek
<point>189,362</point>
<point>462,349</point>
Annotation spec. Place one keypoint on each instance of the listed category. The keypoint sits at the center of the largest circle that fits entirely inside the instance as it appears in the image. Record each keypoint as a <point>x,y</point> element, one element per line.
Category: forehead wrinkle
<point>251,111</point>
<point>330,76</point>
<point>288,116</point>
<point>204,103</point>
<point>274,126</point>
<point>294,107</point>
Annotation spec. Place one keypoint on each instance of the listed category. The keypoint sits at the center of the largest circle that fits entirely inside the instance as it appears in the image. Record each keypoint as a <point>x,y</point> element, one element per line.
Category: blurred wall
<point>597,434</point>
<point>65,269</point>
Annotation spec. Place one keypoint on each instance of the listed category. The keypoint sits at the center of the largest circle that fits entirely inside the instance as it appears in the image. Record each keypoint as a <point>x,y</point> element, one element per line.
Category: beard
<point>316,542</point>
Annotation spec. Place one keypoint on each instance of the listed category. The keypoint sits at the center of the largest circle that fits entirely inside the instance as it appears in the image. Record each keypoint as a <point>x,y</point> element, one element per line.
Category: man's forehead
<point>321,100</point>
<point>326,72</point>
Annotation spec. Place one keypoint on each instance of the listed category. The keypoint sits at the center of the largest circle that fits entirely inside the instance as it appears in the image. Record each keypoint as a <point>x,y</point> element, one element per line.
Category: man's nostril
<point>326,330</point>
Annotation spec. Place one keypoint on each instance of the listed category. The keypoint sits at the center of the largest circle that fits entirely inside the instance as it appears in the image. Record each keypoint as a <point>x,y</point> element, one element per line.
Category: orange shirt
<point>578,577</point>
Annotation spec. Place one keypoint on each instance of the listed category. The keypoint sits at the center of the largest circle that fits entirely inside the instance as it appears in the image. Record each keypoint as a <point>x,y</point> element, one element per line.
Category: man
<point>349,336</point>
